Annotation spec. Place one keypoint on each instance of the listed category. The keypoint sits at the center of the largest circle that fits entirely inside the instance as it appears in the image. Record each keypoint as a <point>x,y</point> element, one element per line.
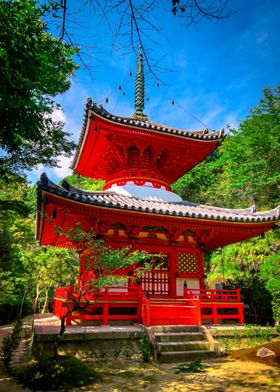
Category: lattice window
<point>187,262</point>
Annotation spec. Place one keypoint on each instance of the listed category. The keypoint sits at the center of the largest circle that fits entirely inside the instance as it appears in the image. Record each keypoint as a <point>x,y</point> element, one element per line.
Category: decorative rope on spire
<point>139,89</point>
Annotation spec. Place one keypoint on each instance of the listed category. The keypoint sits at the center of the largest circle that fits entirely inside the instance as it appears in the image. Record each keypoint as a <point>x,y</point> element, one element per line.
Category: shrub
<point>50,374</point>
<point>9,311</point>
<point>146,347</point>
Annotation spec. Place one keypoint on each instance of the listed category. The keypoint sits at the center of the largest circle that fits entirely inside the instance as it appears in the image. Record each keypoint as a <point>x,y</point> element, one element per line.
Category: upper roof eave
<point>98,110</point>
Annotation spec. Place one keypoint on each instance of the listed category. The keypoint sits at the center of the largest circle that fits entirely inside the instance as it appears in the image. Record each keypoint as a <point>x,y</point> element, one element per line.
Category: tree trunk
<point>22,301</point>
<point>45,306</point>
<point>35,301</point>
<point>60,334</point>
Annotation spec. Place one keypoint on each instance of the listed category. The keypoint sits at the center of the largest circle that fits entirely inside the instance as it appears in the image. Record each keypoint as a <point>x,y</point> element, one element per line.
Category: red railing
<point>215,295</point>
<point>132,304</point>
<point>217,305</point>
<point>103,306</point>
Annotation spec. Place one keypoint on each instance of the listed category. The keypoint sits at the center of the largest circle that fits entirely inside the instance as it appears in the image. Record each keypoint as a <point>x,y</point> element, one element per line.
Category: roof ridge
<point>100,110</point>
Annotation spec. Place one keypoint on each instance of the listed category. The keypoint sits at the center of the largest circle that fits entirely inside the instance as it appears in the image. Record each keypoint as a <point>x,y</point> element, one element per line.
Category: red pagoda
<point>139,159</point>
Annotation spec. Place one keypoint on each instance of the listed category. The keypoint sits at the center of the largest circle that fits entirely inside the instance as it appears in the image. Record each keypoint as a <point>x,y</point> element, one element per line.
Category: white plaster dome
<point>145,192</point>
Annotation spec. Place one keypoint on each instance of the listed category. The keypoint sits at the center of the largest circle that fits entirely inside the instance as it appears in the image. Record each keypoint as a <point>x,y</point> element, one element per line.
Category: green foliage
<point>96,255</point>
<point>270,273</point>
<point>246,169</point>
<point>34,68</point>
<point>27,272</point>
<point>10,343</point>
<point>254,266</point>
<point>58,374</point>
<point>85,183</point>
<point>251,335</point>
<point>192,367</point>
<point>128,352</point>
<point>241,262</point>
<point>253,152</point>
<point>146,347</point>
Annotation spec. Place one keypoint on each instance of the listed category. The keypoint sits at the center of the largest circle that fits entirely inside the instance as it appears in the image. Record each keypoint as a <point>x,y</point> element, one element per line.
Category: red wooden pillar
<point>241,313</point>
<point>198,312</point>
<point>105,314</point>
<point>215,318</point>
<point>146,312</point>
<point>238,295</point>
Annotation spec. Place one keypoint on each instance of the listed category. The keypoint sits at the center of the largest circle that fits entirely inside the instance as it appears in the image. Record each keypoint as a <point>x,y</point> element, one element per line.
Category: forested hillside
<point>244,171</point>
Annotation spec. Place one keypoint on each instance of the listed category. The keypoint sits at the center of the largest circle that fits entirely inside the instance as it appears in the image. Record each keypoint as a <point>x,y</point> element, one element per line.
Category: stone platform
<point>84,341</point>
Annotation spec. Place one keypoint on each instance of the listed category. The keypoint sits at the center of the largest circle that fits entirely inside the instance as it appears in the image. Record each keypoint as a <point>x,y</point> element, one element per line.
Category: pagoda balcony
<point>130,304</point>
<point>218,305</point>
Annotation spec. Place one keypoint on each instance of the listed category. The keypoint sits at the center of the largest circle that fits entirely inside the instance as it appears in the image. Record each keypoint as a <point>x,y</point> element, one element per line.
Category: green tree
<point>34,68</point>
<point>251,155</point>
<point>28,273</point>
<point>85,183</point>
<point>246,168</point>
<point>98,257</point>
<point>270,273</point>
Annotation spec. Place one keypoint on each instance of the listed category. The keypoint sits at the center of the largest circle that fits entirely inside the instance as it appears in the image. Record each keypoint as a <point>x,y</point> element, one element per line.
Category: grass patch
<point>252,335</point>
<point>64,373</point>
<point>192,367</point>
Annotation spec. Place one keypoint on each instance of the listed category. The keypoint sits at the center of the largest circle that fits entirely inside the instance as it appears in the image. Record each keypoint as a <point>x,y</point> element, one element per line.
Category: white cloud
<point>59,115</point>
<point>64,167</point>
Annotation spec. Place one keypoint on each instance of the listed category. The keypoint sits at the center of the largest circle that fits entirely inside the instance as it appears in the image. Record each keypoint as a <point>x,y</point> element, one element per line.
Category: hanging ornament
<point>120,87</point>
<point>157,84</point>
<point>130,73</point>
<point>107,100</point>
<point>123,93</point>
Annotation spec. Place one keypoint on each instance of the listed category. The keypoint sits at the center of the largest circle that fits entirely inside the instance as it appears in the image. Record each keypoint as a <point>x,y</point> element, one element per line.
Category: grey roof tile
<point>184,208</point>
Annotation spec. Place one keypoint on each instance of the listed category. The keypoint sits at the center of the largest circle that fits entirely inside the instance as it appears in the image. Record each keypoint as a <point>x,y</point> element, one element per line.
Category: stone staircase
<point>181,343</point>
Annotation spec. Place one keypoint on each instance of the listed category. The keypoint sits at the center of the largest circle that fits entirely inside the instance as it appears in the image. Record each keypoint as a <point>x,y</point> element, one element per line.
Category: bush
<point>276,305</point>
<point>146,347</point>
<point>9,310</point>
<point>50,374</point>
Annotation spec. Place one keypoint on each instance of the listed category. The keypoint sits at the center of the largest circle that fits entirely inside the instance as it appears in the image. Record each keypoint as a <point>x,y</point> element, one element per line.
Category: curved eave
<point>129,122</point>
<point>189,212</point>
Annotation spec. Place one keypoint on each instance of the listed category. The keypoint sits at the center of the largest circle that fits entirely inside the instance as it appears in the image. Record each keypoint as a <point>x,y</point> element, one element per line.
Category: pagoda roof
<point>151,127</point>
<point>112,200</point>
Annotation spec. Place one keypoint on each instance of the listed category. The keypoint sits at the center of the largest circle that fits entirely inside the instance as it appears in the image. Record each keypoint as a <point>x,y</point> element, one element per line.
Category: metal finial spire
<point>139,89</point>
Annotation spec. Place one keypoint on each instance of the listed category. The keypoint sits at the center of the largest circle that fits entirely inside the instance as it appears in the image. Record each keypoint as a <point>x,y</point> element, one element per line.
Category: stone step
<point>179,336</point>
<point>183,346</point>
<point>174,328</point>
<point>185,356</point>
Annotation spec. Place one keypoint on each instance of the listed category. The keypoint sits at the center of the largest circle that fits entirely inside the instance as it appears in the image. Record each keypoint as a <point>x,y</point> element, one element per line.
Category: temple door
<point>155,282</point>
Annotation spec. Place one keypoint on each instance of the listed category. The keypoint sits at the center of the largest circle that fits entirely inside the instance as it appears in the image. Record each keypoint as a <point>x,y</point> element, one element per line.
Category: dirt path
<point>221,375</point>
<point>7,383</point>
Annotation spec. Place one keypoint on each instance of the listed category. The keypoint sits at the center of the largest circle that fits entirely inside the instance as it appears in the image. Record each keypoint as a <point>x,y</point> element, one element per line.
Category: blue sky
<point>218,70</point>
